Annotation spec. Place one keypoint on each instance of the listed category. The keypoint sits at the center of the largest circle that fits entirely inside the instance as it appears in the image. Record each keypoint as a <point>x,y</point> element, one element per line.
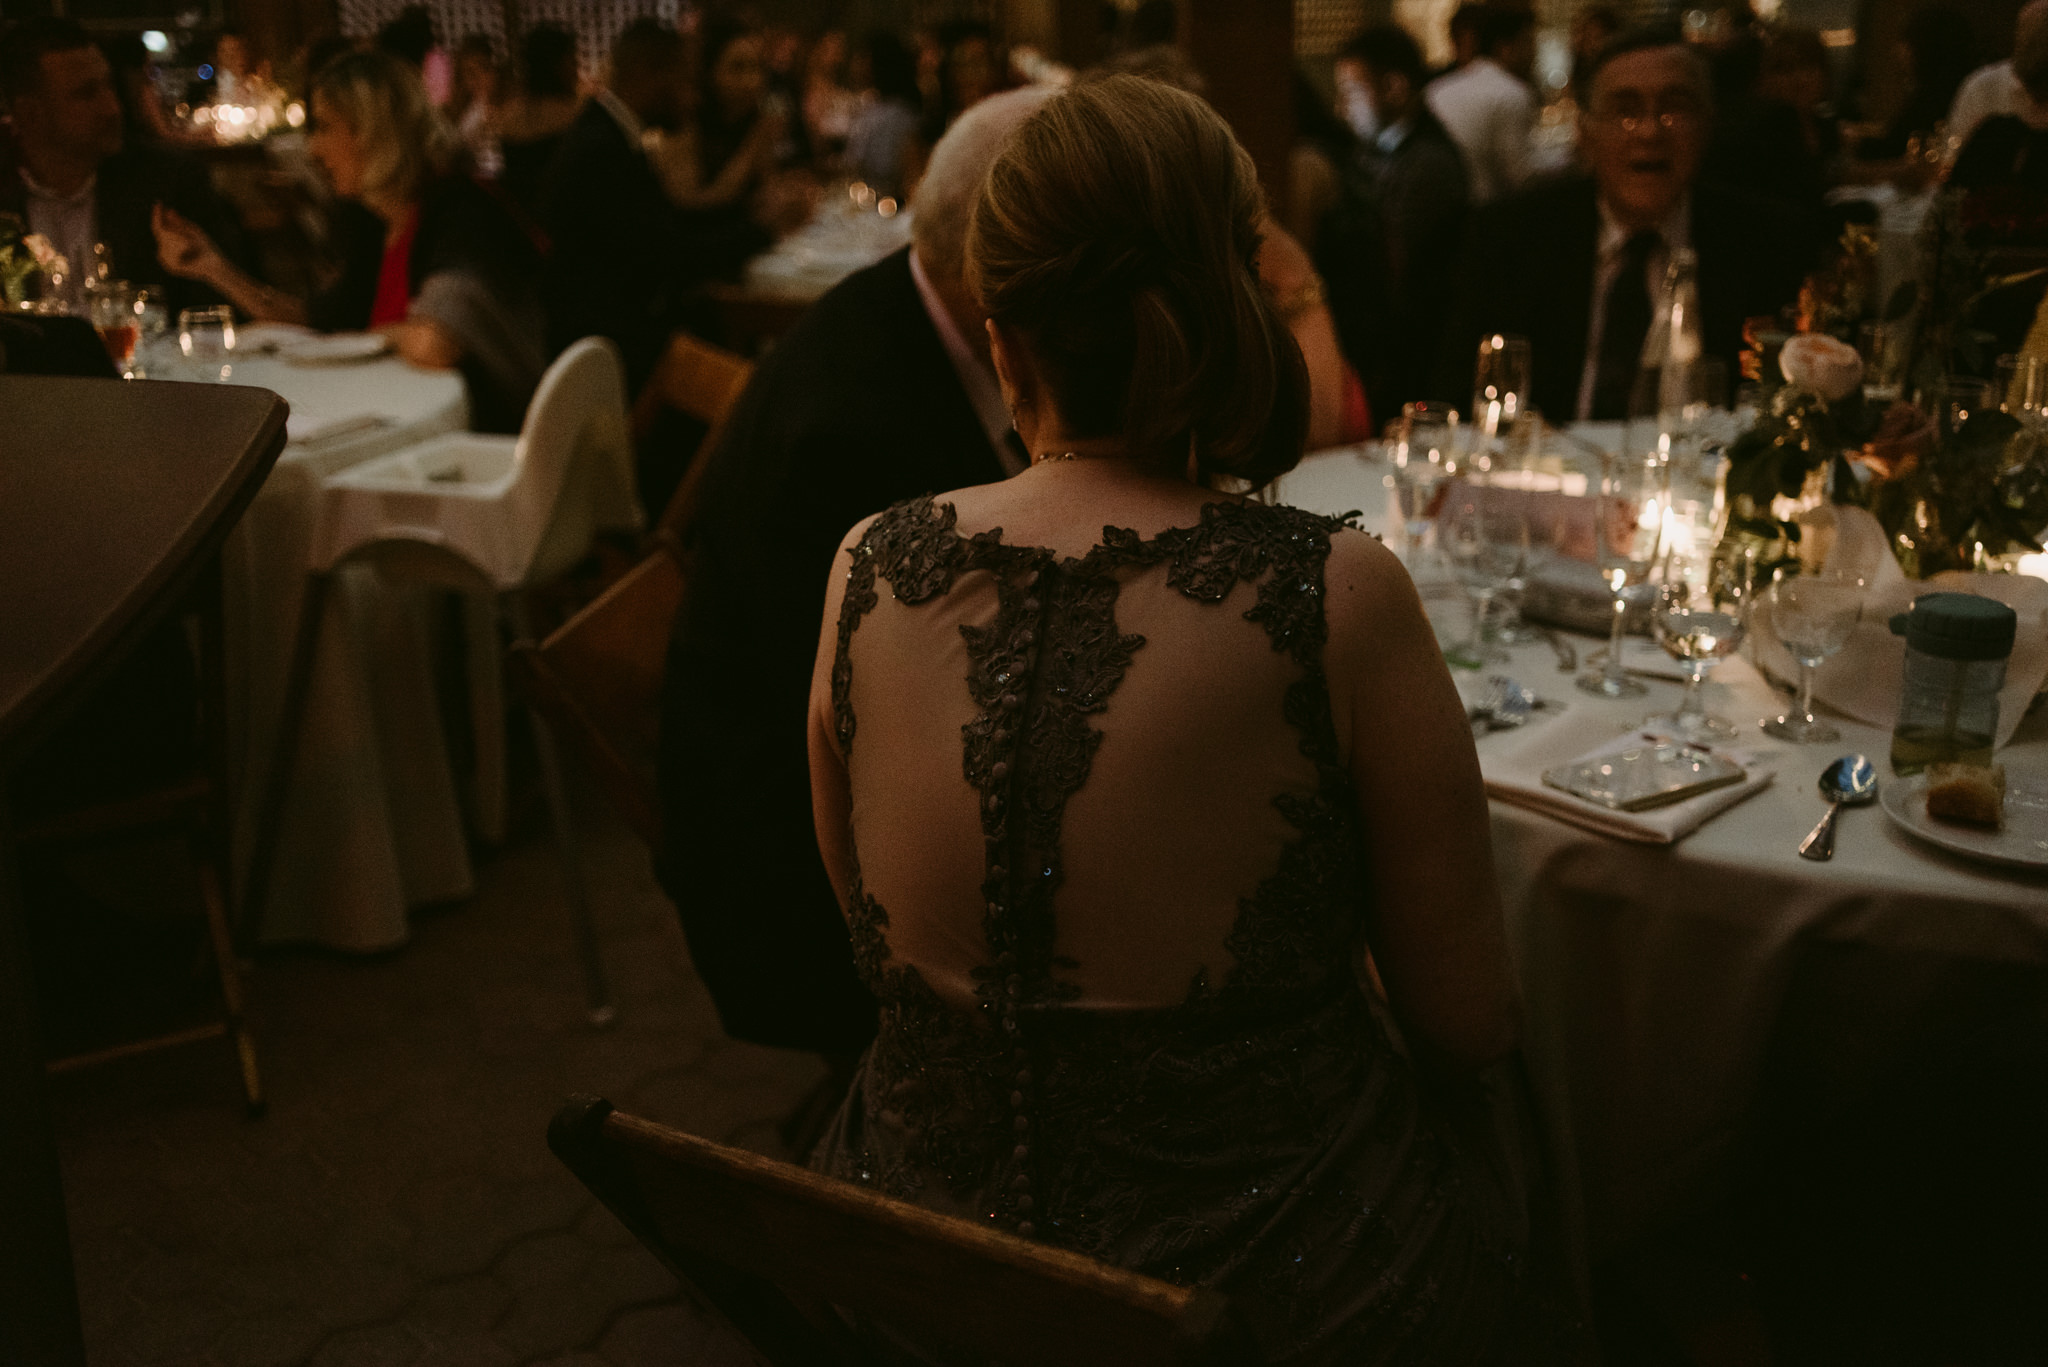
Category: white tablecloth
<point>372,825</point>
<point>1654,976</point>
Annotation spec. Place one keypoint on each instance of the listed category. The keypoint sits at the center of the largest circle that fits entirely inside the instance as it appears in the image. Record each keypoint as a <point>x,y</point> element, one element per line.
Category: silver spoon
<point>1850,781</point>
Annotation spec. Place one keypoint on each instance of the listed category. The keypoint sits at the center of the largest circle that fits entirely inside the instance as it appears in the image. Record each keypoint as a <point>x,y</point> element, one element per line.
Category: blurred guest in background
<point>1996,89</point>
<point>827,104</point>
<point>1594,26</point>
<point>1573,265</point>
<point>474,104</point>
<point>884,145</point>
<point>1466,29</point>
<point>532,123</point>
<point>1488,106</point>
<point>74,176</point>
<point>1389,307</point>
<point>1774,136</point>
<point>723,164</point>
<point>883,391</point>
<point>1938,51</point>
<point>618,265</point>
<point>438,263</point>
<point>970,70</point>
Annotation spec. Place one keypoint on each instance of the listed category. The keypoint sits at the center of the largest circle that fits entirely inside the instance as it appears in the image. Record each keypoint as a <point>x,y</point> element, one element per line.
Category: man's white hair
<point>952,179</point>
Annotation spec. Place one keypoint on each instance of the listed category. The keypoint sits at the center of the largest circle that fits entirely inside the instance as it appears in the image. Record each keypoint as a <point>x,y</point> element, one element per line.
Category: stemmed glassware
<point>1628,528</point>
<point>1814,615</point>
<point>1699,618</point>
<point>1421,444</point>
<point>1484,534</point>
<point>207,339</point>
<point>110,304</point>
<point>1500,387</point>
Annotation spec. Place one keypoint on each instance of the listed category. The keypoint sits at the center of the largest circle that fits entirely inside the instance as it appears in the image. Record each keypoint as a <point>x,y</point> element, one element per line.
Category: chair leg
<point>486,716</point>
<point>596,992</point>
<point>210,892</point>
<point>284,756</point>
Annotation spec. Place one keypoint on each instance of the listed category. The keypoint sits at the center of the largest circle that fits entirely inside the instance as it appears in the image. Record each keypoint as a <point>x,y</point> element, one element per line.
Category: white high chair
<point>487,516</point>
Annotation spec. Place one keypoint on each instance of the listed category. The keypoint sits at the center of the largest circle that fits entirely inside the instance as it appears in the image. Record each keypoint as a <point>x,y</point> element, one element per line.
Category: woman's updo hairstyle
<point>1116,234</point>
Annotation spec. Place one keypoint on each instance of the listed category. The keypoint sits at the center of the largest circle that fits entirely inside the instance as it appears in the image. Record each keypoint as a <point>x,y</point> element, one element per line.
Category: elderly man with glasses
<point>1574,264</point>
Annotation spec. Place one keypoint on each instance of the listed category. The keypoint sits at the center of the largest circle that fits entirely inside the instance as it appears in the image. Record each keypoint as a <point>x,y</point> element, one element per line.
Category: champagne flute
<point>1814,615</point>
<point>1500,387</point>
<point>1699,619</point>
<point>1628,527</point>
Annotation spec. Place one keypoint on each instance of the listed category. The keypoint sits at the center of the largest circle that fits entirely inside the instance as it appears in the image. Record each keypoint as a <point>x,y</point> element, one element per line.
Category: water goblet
<point>1421,445</point>
<point>1698,617</point>
<point>1628,528</point>
<point>1813,615</point>
<point>1484,535</point>
<point>206,337</point>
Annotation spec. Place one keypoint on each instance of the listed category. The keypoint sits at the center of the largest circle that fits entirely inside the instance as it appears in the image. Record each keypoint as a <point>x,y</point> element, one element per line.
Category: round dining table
<point>1658,977</point>
<point>373,824</point>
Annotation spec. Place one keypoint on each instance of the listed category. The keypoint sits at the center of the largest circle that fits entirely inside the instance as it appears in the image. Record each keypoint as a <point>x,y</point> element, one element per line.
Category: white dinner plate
<point>2022,844</point>
<point>339,348</point>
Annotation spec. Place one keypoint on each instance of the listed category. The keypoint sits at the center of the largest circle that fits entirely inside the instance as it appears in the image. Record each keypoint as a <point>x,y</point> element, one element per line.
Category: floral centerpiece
<point>23,256</point>
<point>1953,487</point>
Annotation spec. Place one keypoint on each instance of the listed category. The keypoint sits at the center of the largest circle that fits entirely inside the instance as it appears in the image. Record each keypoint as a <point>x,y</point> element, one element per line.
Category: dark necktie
<point>1625,322</point>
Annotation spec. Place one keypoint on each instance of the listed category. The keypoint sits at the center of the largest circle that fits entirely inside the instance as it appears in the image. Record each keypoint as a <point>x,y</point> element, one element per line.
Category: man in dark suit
<point>618,264</point>
<point>1573,265</point>
<point>1422,195</point>
<point>71,177</point>
<point>882,391</point>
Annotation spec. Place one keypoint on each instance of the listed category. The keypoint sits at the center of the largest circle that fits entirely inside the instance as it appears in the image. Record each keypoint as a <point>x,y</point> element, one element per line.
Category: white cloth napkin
<point>1519,779</point>
<point>1866,678</point>
<point>303,427</point>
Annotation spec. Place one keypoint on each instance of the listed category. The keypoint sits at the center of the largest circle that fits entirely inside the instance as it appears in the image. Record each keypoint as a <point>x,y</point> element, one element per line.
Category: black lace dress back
<point>1118,964</point>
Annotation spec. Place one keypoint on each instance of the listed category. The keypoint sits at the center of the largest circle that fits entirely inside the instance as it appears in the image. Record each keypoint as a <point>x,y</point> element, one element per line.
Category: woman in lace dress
<point>1120,777</point>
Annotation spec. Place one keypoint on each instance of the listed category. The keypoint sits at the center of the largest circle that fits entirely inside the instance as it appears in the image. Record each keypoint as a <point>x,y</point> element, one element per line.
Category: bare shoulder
<point>1362,576</point>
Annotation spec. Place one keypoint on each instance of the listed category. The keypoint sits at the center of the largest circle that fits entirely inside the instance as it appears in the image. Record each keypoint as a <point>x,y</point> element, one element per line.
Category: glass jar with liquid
<point>1957,645</point>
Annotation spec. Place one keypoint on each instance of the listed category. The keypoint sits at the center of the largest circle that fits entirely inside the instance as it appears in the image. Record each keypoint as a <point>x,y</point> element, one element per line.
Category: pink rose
<point>1817,362</point>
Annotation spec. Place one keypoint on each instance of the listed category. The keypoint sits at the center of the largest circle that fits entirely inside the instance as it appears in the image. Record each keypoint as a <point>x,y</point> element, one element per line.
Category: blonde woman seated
<point>1119,776</point>
<point>429,256</point>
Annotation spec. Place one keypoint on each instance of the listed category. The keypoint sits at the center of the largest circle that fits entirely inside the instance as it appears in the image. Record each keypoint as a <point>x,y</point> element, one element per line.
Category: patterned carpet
<point>398,1206</point>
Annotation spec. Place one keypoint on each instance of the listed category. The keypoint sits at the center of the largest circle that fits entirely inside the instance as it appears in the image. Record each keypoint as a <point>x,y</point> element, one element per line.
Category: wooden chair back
<point>598,677</point>
<point>696,378</point>
<point>774,1247</point>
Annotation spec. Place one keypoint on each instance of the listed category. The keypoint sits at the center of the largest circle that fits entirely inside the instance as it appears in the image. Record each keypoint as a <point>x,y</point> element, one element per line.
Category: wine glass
<point>1500,387</point>
<point>1484,535</point>
<point>1628,527</point>
<point>1421,445</point>
<point>1520,467</point>
<point>1813,615</point>
<point>1884,362</point>
<point>110,305</point>
<point>207,338</point>
<point>152,321</point>
<point>1698,617</point>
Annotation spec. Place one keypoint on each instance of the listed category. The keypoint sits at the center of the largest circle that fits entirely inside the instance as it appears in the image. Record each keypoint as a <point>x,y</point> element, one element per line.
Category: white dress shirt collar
<point>984,394</point>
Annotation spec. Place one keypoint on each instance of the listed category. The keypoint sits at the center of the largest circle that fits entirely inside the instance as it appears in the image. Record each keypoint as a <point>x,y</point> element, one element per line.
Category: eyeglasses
<point>1682,118</point>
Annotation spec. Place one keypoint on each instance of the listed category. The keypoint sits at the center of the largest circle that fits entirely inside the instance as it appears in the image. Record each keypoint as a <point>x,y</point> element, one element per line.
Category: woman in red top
<point>430,257</point>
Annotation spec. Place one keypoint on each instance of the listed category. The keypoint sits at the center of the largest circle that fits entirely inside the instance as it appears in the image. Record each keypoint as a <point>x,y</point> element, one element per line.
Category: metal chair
<point>489,517</point>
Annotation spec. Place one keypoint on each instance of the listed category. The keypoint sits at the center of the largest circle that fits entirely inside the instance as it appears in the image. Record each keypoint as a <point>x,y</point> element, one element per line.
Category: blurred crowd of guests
<point>1425,194</point>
